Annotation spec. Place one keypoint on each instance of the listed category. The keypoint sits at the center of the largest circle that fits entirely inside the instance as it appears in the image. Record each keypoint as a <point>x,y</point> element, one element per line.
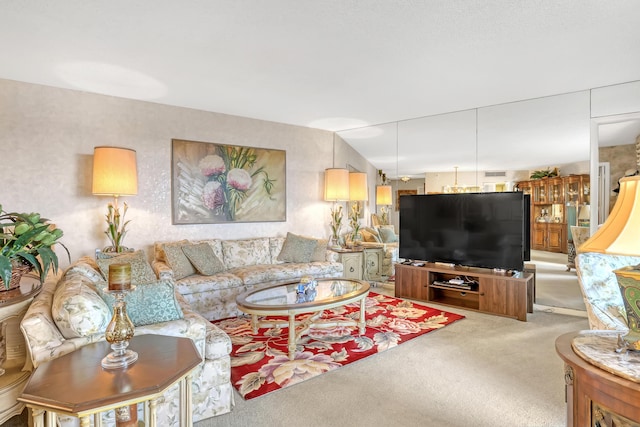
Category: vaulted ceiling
<point>328,64</point>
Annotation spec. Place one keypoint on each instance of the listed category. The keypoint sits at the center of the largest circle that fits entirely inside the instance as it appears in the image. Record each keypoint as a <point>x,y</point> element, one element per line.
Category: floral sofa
<point>69,313</point>
<point>211,273</point>
<point>600,290</point>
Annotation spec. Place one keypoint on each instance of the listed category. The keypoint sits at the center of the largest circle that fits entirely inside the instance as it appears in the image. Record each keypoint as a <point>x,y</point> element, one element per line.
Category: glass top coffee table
<point>284,299</point>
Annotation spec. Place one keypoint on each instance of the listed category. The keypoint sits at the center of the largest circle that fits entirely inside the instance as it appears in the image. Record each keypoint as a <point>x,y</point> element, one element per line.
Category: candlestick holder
<point>118,333</point>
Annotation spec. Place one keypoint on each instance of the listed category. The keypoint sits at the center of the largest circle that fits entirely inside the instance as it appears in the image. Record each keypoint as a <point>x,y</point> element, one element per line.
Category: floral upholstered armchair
<point>599,286</point>
<point>69,313</point>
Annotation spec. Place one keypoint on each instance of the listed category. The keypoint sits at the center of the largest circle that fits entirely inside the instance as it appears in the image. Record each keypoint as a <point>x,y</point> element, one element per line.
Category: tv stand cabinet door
<point>504,297</point>
<point>412,282</point>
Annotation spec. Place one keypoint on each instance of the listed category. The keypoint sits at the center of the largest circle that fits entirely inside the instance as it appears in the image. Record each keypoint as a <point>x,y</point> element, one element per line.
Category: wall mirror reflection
<point>500,148</point>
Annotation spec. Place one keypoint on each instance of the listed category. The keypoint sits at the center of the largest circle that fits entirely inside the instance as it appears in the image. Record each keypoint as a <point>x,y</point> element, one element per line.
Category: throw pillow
<point>297,249</point>
<point>149,303</point>
<point>77,309</point>
<point>203,258</point>
<point>387,235</point>
<point>177,260</point>
<point>320,252</point>
<point>141,271</point>
<point>370,235</point>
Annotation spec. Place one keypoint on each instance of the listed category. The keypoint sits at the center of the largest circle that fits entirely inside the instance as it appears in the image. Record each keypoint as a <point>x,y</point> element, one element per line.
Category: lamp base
<point>120,357</point>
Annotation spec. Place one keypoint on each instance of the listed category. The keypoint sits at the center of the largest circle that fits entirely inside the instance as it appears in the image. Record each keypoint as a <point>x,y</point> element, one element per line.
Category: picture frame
<point>403,193</point>
<point>215,183</point>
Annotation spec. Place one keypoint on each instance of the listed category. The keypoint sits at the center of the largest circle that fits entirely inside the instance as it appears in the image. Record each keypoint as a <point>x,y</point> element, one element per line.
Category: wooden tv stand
<point>503,294</point>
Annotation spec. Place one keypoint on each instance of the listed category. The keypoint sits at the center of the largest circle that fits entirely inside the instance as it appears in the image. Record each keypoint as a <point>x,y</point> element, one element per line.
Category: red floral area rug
<point>260,363</point>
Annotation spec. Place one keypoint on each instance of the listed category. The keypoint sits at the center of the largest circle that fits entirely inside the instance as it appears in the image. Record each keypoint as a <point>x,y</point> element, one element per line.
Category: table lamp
<point>336,189</point>
<point>357,193</point>
<point>115,174</point>
<point>619,235</point>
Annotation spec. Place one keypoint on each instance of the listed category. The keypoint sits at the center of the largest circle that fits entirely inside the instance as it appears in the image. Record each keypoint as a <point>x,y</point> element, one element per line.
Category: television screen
<point>488,230</point>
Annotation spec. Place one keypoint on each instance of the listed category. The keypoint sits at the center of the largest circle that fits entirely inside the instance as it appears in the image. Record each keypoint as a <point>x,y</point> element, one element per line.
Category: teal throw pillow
<point>203,258</point>
<point>148,303</point>
<point>297,248</point>
<point>387,235</point>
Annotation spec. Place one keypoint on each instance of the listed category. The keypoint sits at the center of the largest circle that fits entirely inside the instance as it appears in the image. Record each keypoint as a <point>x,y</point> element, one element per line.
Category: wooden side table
<point>13,306</point>
<point>77,385</point>
<point>352,261</point>
<point>602,387</point>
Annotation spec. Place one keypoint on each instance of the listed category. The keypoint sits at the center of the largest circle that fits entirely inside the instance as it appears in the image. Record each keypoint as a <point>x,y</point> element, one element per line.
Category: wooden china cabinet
<point>553,204</point>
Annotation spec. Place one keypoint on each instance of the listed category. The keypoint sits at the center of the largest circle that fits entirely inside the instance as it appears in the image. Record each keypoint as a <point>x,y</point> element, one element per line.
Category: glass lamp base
<point>120,357</point>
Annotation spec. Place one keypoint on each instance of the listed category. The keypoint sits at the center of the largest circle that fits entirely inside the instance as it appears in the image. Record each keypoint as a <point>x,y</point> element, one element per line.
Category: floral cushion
<point>148,303</point>
<point>178,260</point>
<point>239,253</point>
<point>141,271</point>
<point>77,309</point>
<point>203,258</point>
<point>297,248</point>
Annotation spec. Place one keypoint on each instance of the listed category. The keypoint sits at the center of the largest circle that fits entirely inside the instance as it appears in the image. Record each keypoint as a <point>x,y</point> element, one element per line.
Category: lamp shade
<point>620,233</point>
<point>114,171</point>
<point>336,185</point>
<point>383,195</point>
<point>358,186</point>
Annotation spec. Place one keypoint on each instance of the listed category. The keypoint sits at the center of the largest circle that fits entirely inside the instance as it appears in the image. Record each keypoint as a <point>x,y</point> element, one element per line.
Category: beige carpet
<point>485,371</point>
<point>555,286</point>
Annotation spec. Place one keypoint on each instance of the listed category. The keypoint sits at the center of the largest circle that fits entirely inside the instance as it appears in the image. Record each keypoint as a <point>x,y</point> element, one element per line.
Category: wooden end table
<point>77,385</point>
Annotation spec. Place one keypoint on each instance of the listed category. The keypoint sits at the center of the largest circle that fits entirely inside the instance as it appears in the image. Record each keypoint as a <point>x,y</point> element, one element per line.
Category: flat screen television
<point>489,230</point>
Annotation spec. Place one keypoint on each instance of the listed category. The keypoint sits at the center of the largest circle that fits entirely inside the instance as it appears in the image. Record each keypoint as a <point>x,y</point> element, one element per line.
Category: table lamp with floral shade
<point>115,174</point>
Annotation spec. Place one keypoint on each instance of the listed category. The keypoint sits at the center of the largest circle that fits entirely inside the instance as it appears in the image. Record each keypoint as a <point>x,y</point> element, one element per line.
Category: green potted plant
<point>26,242</point>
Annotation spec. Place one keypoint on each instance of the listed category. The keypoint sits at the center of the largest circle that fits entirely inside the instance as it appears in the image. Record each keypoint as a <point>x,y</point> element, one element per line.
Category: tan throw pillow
<point>203,258</point>
<point>141,271</point>
<point>177,260</point>
<point>297,248</point>
<point>370,235</point>
<point>320,252</point>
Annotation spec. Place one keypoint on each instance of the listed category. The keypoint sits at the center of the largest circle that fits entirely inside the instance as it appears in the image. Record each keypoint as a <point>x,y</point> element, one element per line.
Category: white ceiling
<point>339,64</point>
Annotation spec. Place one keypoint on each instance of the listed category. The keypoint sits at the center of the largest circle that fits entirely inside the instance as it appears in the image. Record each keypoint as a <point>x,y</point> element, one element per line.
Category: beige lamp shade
<point>383,195</point>
<point>114,171</point>
<point>358,187</point>
<point>620,233</point>
<point>336,185</point>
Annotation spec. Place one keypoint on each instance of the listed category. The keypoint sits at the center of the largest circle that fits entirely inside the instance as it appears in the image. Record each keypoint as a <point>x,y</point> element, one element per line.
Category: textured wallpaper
<point>47,138</point>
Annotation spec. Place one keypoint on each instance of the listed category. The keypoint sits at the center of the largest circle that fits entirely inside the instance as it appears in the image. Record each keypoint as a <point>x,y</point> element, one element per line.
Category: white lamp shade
<point>620,233</point>
<point>358,186</point>
<point>336,185</point>
<point>383,195</point>
<point>114,171</point>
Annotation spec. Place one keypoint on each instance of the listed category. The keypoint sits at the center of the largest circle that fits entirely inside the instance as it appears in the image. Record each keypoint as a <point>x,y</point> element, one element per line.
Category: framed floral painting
<point>216,183</point>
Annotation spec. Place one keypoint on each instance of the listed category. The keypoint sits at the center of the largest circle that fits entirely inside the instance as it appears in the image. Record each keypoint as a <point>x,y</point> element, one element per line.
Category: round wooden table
<point>594,392</point>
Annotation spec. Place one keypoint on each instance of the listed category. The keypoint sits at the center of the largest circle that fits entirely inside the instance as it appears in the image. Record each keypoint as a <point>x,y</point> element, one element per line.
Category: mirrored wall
<point>502,144</point>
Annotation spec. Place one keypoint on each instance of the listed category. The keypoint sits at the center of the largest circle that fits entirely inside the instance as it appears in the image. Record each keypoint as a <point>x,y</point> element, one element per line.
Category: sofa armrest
<point>162,270</point>
<point>43,339</point>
